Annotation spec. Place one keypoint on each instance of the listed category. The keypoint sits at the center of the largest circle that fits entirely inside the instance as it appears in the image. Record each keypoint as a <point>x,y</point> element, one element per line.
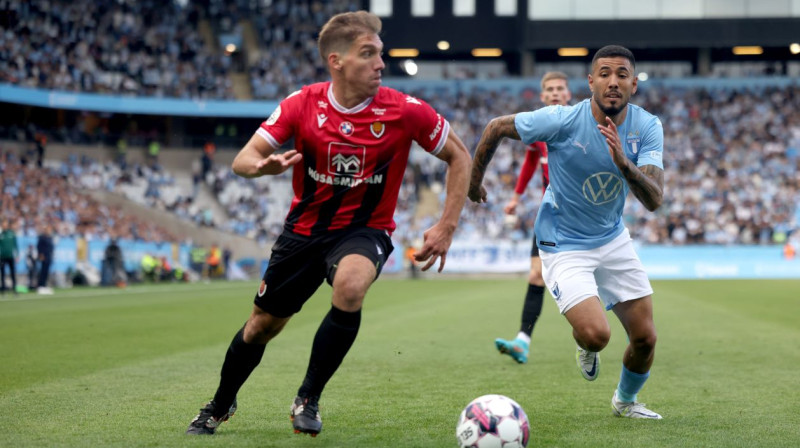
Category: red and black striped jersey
<point>353,159</point>
<point>536,153</point>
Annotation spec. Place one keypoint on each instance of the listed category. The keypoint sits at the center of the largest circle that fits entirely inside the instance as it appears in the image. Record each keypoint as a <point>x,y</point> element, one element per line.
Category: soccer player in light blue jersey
<point>598,151</point>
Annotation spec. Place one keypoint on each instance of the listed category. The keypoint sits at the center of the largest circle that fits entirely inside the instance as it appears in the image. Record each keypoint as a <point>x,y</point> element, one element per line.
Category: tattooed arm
<point>495,131</point>
<point>647,182</point>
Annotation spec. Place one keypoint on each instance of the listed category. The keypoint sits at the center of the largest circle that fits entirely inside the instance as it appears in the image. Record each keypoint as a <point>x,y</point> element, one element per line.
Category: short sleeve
<point>539,125</point>
<point>428,128</point>
<point>280,126</point>
<point>652,150</point>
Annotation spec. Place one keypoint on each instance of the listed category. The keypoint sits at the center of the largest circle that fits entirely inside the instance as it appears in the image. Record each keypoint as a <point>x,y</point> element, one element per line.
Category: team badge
<point>556,291</point>
<point>262,289</point>
<point>346,128</point>
<point>377,128</point>
<point>633,140</point>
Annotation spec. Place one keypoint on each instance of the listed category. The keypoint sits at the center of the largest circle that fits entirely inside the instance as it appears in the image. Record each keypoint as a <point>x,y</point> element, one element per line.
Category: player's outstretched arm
<point>257,159</point>
<point>647,182</point>
<point>437,239</point>
<point>495,131</point>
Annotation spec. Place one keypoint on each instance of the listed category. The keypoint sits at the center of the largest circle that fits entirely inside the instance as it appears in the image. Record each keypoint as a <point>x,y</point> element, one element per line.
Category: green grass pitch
<point>125,368</point>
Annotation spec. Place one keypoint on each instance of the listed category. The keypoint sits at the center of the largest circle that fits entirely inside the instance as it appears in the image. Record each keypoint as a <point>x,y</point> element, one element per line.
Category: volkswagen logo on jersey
<point>600,188</point>
<point>346,128</point>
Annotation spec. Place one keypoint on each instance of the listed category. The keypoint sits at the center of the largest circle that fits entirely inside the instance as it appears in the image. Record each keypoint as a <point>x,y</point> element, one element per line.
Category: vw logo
<point>601,188</point>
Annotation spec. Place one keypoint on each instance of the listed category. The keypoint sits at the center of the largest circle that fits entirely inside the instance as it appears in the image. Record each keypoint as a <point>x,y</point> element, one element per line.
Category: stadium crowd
<point>146,47</point>
<point>34,198</point>
<point>731,154</point>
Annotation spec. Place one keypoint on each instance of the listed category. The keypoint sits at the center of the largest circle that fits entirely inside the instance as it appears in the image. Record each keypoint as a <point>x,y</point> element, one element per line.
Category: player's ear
<point>335,60</point>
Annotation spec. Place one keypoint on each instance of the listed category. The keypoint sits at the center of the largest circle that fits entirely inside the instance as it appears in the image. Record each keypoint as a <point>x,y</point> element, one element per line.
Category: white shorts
<point>612,272</point>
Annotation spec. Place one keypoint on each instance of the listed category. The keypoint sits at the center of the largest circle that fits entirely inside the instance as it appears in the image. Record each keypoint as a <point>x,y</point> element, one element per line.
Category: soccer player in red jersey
<point>352,139</point>
<point>555,90</point>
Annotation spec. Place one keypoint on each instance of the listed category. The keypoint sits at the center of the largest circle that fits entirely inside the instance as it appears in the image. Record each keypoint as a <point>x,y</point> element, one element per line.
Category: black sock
<point>532,308</point>
<point>241,359</point>
<point>334,338</point>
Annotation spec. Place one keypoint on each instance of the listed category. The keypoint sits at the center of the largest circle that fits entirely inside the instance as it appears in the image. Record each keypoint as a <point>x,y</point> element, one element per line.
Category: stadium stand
<point>732,170</point>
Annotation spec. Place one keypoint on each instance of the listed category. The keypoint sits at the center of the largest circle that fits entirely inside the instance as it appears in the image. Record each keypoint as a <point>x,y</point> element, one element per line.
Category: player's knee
<point>535,277</point>
<point>348,294</point>
<point>594,338</point>
<point>261,328</point>
<point>644,343</point>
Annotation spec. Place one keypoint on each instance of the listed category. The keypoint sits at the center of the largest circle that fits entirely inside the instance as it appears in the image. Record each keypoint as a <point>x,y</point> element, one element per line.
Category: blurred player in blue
<point>555,90</point>
<point>598,151</point>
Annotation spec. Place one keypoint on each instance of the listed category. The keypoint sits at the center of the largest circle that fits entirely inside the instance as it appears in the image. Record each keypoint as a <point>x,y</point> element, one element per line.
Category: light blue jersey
<point>582,206</point>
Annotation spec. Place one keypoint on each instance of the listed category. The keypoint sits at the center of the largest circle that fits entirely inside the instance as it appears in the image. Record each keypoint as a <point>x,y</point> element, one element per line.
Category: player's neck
<point>347,98</point>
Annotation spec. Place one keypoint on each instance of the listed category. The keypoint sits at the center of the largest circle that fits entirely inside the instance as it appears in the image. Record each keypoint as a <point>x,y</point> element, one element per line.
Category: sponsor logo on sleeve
<point>274,117</point>
<point>412,100</point>
<point>438,127</point>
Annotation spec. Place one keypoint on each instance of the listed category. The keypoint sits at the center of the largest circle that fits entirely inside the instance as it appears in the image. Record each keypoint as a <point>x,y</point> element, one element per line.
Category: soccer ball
<point>493,421</point>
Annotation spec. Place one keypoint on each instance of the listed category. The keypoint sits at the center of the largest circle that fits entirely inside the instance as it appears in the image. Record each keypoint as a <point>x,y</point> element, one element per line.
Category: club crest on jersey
<point>633,140</point>
<point>262,289</point>
<point>377,128</point>
<point>346,128</point>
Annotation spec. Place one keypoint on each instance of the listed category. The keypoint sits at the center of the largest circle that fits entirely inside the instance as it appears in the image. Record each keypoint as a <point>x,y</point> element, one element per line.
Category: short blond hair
<point>343,29</point>
<point>554,75</point>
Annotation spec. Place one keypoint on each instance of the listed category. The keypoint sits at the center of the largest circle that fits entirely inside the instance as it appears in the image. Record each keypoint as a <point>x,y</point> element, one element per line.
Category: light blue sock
<point>630,383</point>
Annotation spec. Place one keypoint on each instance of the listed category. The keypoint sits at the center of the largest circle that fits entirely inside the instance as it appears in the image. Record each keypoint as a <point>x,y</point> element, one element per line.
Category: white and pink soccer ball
<point>493,421</point>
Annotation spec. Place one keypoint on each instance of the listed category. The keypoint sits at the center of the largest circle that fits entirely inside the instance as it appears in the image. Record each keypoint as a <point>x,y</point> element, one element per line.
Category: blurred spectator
<point>31,262</point>
<point>197,257</point>
<point>45,248</point>
<point>226,260</point>
<point>214,262</point>
<point>113,271</point>
<point>150,268</point>
<point>9,254</point>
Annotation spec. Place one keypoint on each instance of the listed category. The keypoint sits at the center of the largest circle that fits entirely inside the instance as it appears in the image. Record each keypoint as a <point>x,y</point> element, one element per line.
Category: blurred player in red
<point>555,91</point>
<point>352,139</point>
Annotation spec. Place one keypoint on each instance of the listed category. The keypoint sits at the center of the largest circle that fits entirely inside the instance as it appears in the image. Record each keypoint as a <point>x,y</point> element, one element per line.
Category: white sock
<point>522,336</point>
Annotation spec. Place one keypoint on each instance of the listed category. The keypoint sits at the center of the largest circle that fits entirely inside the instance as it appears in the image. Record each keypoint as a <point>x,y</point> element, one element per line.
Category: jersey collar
<point>355,109</point>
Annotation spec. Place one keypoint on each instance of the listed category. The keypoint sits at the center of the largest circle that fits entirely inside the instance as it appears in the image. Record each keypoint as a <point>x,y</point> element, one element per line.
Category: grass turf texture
<point>131,368</point>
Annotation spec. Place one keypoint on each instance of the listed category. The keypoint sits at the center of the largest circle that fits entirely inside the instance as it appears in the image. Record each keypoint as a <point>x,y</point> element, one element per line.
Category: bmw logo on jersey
<point>346,128</point>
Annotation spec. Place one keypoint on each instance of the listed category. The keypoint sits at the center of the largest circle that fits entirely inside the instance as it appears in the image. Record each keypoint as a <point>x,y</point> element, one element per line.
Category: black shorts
<point>299,264</point>
<point>535,248</point>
